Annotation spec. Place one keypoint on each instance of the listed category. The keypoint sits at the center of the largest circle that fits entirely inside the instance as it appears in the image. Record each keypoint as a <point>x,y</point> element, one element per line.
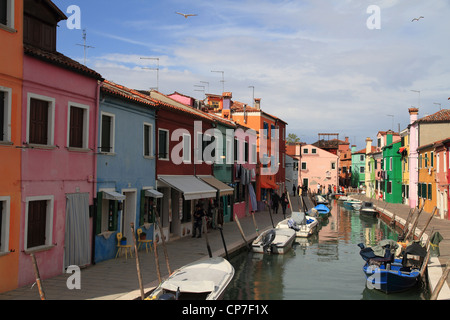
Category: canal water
<point>326,266</point>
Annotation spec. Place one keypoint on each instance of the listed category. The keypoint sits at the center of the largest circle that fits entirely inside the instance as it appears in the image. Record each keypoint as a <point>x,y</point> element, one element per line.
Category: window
<point>333,165</point>
<point>432,159</point>
<point>4,224</point>
<point>426,160</point>
<point>361,169</point>
<point>186,148</point>
<point>7,13</point>
<point>389,187</point>
<point>163,144</point>
<point>5,114</point>
<point>305,151</point>
<point>313,151</point>
<point>246,153</point>
<point>78,126</point>
<point>148,140</point>
<point>107,133</point>
<point>361,157</point>
<point>430,191</point>
<point>39,220</point>
<point>41,116</point>
<point>303,165</point>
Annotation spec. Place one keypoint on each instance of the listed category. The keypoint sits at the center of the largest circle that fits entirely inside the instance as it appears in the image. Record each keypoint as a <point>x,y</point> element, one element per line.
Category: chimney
<point>413,114</point>
<point>368,145</point>
<point>226,104</point>
<point>258,103</point>
<point>346,140</point>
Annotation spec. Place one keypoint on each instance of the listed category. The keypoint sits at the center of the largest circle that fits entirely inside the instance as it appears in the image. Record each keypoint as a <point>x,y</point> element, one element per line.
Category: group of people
<point>277,201</point>
<point>296,190</point>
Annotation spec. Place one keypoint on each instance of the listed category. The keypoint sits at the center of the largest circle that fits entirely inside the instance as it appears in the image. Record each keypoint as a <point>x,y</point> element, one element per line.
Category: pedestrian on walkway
<point>275,202</point>
<point>198,220</point>
<point>298,190</point>
<point>284,202</point>
<point>293,189</point>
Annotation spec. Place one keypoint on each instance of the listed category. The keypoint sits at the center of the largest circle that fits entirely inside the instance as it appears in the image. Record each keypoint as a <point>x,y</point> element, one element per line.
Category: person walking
<point>275,202</point>
<point>198,220</point>
<point>293,189</point>
<point>284,202</point>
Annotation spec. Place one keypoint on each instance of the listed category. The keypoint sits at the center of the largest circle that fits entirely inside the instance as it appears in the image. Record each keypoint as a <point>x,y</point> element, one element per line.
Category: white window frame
<point>112,133</point>
<point>229,151</point>
<point>51,116</point>
<point>390,164</point>
<point>6,203</point>
<point>48,224</point>
<point>85,124</point>
<point>167,144</point>
<point>9,26</point>
<point>187,155</point>
<point>7,116</point>
<point>150,140</point>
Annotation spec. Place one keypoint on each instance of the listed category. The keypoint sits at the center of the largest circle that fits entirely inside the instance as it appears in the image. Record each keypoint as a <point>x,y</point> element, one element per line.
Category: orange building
<point>271,145</point>
<point>11,71</point>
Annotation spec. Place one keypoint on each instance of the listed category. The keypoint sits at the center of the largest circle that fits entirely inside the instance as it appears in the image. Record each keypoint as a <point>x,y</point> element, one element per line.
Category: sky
<point>323,66</point>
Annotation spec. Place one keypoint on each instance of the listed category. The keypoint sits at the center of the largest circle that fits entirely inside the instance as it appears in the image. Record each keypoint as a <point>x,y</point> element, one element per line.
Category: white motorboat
<point>303,225</point>
<point>368,209</point>
<point>351,204</point>
<point>277,241</point>
<point>201,280</point>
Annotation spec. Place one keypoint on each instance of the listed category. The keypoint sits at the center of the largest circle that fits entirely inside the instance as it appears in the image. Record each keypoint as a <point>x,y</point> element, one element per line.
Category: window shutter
<point>142,208</point>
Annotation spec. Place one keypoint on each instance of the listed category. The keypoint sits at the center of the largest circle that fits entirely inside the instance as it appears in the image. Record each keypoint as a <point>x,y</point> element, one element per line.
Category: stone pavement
<point>117,279</point>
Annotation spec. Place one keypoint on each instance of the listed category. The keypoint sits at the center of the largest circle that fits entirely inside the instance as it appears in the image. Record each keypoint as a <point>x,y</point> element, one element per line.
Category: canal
<point>326,266</point>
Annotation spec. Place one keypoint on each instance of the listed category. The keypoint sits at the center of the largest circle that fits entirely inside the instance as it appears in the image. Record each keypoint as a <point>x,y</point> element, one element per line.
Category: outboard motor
<point>268,239</point>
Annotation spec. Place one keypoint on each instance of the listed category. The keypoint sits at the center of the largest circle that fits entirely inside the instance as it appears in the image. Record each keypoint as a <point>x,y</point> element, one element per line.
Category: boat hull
<point>390,281</point>
<point>304,230</point>
<point>282,243</point>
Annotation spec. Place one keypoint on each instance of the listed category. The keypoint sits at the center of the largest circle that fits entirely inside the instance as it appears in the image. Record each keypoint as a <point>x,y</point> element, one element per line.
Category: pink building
<point>413,157</point>
<point>442,182</point>
<point>59,107</point>
<point>317,167</point>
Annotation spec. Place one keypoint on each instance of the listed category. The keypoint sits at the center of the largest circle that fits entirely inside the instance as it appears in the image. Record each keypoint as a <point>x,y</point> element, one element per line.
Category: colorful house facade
<point>59,108</point>
<point>126,167</point>
<point>393,171</point>
<point>442,181</point>
<point>11,73</point>
<point>358,167</point>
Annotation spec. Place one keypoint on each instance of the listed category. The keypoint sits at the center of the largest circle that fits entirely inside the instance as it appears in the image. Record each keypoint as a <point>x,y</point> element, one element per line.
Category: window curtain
<point>77,247</point>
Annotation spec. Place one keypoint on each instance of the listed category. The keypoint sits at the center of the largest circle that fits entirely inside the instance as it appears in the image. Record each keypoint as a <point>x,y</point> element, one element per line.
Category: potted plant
<point>123,241</point>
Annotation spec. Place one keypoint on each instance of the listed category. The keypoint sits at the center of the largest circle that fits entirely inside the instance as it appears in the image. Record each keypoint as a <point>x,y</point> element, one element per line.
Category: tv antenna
<point>156,69</point>
<point>84,45</point>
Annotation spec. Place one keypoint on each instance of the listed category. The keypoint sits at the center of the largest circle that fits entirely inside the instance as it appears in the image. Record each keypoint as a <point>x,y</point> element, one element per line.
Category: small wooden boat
<point>389,274</point>
<point>322,210</point>
<point>277,241</point>
<point>202,280</point>
<point>303,225</point>
<point>368,209</point>
<point>321,200</point>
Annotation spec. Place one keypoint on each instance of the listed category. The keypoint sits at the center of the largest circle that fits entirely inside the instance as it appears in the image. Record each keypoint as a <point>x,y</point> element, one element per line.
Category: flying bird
<point>186,15</point>
<point>417,19</point>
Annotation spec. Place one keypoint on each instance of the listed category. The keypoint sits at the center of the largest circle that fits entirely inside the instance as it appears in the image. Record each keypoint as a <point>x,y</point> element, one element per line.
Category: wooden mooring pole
<point>38,277</point>
<point>441,282</point>
<point>138,267</point>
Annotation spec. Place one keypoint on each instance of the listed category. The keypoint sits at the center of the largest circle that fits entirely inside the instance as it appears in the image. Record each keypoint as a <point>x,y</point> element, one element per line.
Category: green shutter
<point>98,215</point>
<point>115,216</point>
<point>430,191</point>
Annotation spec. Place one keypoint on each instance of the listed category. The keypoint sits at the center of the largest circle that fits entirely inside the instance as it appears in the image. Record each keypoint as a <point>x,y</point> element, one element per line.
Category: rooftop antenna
<point>391,115</point>
<point>223,79</point>
<point>438,104</point>
<point>157,70</point>
<point>253,87</point>
<point>84,45</point>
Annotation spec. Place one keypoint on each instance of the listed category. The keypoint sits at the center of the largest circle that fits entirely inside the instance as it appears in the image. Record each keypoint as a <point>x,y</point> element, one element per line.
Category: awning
<point>153,193</point>
<point>224,189</point>
<point>191,187</point>
<point>112,195</point>
<point>268,185</point>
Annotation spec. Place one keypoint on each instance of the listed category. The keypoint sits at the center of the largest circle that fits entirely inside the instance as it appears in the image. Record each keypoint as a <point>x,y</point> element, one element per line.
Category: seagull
<point>186,15</point>
<point>417,19</point>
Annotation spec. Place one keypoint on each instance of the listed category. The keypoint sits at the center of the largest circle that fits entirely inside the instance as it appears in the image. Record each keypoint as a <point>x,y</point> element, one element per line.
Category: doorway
<point>129,214</point>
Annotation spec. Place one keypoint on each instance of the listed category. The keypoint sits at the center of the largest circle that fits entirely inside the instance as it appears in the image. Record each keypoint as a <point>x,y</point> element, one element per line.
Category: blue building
<point>126,167</point>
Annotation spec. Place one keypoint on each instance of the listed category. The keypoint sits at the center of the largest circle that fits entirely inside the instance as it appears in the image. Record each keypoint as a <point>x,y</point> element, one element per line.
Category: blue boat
<point>385,273</point>
<point>322,210</point>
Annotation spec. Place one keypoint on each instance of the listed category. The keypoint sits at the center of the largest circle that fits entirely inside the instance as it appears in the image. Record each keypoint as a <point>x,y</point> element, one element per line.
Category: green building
<point>358,167</point>
<point>392,165</point>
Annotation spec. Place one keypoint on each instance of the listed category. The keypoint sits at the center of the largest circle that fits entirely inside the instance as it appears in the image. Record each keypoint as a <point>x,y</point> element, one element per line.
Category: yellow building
<point>427,177</point>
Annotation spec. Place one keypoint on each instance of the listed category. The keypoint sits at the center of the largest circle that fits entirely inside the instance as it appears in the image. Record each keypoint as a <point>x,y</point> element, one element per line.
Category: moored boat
<point>385,272</point>
<point>303,225</point>
<point>368,209</point>
<point>349,203</point>
<point>277,241</point>
<point>201,280</point>
<point>322,210</point>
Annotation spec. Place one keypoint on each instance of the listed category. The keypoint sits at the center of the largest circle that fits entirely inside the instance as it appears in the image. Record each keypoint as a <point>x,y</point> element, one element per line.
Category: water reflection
<point>325,266</point>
